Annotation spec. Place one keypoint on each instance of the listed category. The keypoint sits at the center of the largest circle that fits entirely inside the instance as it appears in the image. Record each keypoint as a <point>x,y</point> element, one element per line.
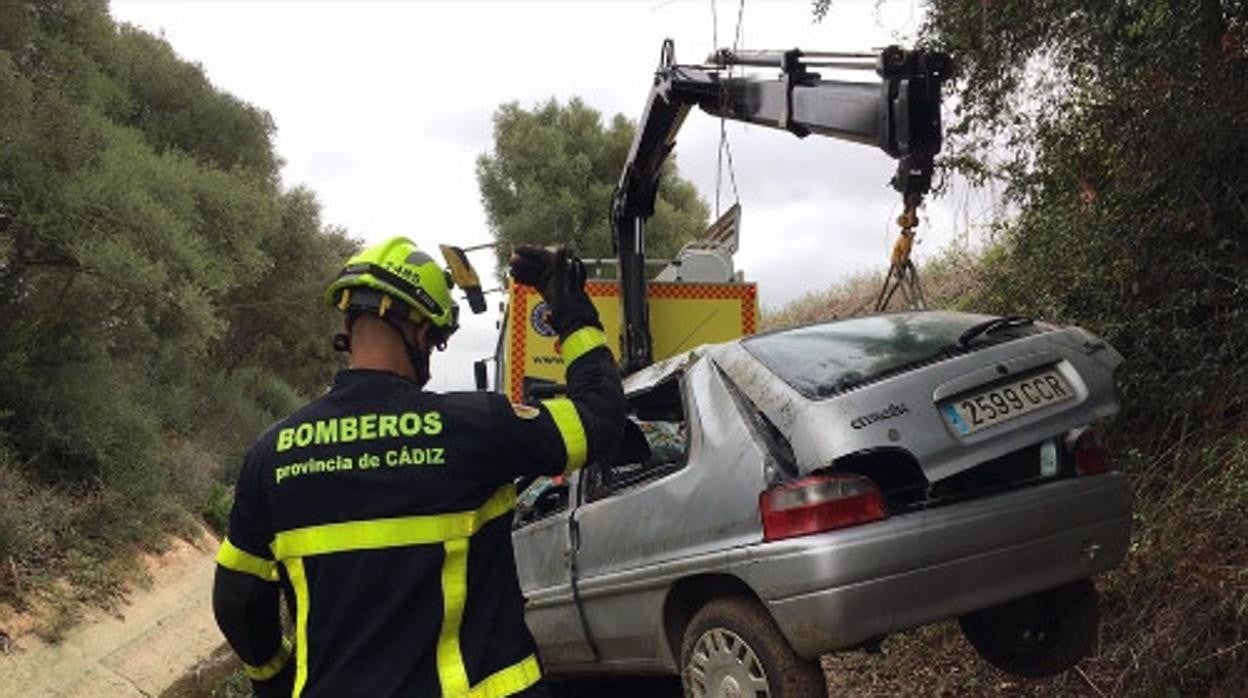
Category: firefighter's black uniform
<point>386,512</point>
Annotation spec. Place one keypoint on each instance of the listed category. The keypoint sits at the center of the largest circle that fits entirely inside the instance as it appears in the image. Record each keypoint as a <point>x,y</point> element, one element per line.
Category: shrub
<point>215,507</point>
<point>34,519</point>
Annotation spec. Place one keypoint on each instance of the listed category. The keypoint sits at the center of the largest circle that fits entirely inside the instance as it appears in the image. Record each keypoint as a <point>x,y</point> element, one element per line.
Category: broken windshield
<point>822,360</point>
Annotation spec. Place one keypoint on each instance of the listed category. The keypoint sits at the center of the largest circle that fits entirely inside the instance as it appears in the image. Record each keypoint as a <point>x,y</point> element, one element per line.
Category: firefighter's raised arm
<point>588,422</point>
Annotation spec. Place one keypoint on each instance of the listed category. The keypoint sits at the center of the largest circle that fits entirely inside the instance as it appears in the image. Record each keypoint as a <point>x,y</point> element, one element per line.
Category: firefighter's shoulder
<point>489,405</point>
<point>472,403</point>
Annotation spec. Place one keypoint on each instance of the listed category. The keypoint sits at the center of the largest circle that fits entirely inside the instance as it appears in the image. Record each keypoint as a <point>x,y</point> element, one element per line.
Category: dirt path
<point>155,639</point>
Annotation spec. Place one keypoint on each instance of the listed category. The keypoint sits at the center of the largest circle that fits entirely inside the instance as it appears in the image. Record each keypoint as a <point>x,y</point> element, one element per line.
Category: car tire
<point>732,647</point>
<point>1039,635</point>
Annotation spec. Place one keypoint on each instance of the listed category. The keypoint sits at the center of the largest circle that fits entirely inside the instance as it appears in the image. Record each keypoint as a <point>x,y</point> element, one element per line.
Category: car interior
<point>654,443</point>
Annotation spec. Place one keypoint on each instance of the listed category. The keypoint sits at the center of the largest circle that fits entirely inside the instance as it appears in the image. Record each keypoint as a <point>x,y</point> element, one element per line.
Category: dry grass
<point>219,675</point>
<point>948,282</point>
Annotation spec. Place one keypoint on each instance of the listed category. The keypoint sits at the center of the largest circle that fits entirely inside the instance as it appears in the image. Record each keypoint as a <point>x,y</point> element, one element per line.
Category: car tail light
<point>1091,456</point>
<point>819,503</point>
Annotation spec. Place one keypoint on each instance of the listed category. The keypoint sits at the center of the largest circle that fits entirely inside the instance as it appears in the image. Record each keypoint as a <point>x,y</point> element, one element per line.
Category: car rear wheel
<point>733,649</point>
<point>1038,635</point>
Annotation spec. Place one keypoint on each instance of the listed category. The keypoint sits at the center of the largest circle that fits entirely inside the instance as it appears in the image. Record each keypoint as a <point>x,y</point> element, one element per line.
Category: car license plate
<point>1005,401</point>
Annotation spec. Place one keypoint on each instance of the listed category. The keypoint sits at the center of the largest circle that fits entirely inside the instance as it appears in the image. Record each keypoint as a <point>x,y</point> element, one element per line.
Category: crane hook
<point>902,274</point>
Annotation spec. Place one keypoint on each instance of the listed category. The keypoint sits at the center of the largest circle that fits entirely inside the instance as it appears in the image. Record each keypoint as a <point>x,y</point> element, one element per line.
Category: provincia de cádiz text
<point>393,458</point>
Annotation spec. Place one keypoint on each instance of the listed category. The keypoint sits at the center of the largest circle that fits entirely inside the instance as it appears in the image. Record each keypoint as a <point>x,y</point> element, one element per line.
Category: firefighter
<point>384,511</point>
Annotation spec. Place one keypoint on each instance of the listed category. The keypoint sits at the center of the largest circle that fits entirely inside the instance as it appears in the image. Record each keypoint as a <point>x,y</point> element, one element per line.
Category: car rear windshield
<point>822,360</point>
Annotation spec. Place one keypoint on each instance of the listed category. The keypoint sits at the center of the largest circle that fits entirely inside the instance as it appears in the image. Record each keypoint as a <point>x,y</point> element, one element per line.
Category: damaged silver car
<point>815,489</point>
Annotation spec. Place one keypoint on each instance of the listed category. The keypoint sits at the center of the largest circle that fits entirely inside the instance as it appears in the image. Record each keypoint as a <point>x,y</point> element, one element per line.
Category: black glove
<point>560,277</point>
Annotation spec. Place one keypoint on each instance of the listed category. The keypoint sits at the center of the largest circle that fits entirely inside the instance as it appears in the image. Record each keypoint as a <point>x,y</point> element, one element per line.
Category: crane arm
<point>900,114</point>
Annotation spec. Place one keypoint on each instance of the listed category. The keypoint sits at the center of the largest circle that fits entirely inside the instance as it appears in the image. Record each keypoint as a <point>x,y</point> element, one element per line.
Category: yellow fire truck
<point>697,298</point>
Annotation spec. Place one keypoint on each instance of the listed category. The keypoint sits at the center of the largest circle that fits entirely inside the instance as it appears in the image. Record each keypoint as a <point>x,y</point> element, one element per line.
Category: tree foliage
<point>551,176</point>
<point>158,290</point>
<point>1120,129</point>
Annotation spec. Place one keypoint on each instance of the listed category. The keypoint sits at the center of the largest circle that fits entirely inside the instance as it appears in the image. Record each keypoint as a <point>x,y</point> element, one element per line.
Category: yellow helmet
<point>402,279</point>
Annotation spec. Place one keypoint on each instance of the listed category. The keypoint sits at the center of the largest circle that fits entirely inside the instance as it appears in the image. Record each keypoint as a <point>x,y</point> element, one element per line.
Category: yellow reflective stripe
<point>451,672</point>
<point>570,428</point>
<point>501,502</point>
<point>232,558</point>
<point>511,680</point>
<point>580,343</point>
<point>391,533</point>
<point>299,581</point>
<point>274,665</point>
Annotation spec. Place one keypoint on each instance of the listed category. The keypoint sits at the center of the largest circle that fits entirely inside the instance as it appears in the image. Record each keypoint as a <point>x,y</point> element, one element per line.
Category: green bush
<point>233,410</point>
<point>34,520</point>
<point>93,420</point>
<point>191,472</point>
<point>159,296</point>
<point>276,397</point>
<point>215,507</point>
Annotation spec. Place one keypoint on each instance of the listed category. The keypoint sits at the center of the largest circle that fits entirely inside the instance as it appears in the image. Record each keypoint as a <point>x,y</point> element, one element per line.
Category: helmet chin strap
<point>418,359</point>
<point>420,364</point>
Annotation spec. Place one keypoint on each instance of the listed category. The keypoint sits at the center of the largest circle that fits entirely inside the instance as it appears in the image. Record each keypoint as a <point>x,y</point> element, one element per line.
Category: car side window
<point>540,498</point>
<point>655,443</point>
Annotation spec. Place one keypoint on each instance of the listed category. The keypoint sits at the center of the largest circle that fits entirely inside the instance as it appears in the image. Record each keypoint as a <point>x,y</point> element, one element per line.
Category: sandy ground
<point>154,639</point>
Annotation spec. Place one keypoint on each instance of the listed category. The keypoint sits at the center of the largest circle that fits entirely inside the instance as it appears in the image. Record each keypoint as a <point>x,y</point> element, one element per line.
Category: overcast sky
<point>383,107</point>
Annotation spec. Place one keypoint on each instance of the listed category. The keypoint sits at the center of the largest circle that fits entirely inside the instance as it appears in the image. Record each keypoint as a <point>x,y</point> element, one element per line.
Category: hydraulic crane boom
<point>900,115</point>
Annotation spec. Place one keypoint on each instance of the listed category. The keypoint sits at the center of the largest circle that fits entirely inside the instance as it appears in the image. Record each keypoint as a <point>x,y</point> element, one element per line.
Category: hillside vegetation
<point>157,297</point>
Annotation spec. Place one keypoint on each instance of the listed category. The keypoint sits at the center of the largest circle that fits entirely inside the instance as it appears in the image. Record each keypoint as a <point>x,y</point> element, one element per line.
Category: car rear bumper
<point>838,589</point>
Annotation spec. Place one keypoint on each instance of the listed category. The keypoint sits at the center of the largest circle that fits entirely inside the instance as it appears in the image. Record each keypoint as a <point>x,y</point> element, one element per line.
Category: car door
<point>543,539</point>
<point>644,526</point>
